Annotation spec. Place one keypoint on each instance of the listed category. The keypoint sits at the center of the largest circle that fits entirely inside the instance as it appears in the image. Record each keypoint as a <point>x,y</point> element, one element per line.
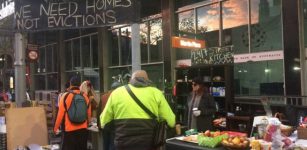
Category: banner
<point>34,15</point>
<point>212,56</point>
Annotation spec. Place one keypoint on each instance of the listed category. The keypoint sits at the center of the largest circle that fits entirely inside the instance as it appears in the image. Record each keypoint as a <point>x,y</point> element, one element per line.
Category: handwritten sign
<point>212,56</point>
<point>55,14</point>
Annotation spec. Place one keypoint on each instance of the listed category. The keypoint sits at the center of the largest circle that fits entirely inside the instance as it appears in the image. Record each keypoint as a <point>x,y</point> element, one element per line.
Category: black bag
<point>159,127</point>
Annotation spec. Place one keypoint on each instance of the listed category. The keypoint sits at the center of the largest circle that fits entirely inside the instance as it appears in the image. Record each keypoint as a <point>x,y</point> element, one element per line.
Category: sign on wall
<point>212,56</point>
<point>179,42</point>
<point>56,14</point>
<point>261,56</point>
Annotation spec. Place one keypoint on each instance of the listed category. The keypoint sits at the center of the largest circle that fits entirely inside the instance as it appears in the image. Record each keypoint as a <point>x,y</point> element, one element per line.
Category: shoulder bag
<point>159,127</point>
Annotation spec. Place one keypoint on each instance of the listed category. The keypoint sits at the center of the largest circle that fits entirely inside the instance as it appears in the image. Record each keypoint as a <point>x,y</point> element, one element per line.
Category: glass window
<point>208,24</point>
<point>49,59</point>
<point>94,45</point>
<point>93,76</point>
<point>266,31</point>
<point>40,82</point>
<point>55,59</point>
<point>125,46</point>
<point>52,81</point>
<point>68,55</point>
<point>235,25</point>
<point>155,74</point>
<point>144,42</point>
<point>155,33</point>
<point>76,54</point>
<point>42,60</point>
<point>186,22</point>
<point>259,78</point>
<point>86,51</point>
<point>114,49</point>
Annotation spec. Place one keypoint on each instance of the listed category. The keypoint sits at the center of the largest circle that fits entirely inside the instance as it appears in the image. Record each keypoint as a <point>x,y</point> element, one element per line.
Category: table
<point>174,144</point>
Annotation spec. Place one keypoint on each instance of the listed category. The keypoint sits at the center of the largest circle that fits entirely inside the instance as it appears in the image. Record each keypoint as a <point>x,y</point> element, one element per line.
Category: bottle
<point>186,78</point>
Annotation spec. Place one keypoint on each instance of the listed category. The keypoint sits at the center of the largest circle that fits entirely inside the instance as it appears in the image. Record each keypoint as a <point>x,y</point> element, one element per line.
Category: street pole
<point>20,78</point>
<point>135,46</point>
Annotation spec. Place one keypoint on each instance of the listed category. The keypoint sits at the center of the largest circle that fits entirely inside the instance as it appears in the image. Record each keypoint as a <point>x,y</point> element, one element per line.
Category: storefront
<point>257,33</point>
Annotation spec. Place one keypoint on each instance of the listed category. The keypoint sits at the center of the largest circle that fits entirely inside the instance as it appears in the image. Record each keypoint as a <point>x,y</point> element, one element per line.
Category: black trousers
<point>75,140</point>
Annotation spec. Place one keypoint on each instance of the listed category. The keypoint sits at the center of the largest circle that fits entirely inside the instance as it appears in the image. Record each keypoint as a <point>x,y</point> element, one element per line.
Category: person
<point>133,126</point>
<point>200,107</point>
<point>107,134</point>
<point>87,87</point>
<point>74,134</point>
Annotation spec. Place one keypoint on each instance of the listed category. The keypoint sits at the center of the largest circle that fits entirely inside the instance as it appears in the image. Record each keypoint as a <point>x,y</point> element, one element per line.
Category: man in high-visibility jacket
<point>133,126</point>
<point>75,135</point>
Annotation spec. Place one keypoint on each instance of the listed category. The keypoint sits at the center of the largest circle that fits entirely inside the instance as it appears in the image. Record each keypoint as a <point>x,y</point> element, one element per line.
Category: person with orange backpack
<point>75,113</point>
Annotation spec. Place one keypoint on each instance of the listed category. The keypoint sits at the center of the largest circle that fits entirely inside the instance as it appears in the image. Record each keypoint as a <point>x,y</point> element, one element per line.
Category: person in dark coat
<point>200,107</point>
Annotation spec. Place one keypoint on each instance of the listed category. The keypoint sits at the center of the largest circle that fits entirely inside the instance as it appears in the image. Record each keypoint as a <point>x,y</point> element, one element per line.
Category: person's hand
<point>57,132</point>
<point>196,113</point>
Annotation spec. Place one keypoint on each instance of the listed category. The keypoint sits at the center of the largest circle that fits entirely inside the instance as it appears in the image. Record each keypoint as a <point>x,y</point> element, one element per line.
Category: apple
<point>207,133</point>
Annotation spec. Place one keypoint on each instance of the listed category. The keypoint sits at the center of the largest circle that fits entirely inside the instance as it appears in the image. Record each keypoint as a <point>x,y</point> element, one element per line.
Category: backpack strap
<point>65,97</point>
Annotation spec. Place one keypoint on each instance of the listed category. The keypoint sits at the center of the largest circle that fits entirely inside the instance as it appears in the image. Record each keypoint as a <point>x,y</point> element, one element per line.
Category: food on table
<point>255,145</point>
<point>236,142</point>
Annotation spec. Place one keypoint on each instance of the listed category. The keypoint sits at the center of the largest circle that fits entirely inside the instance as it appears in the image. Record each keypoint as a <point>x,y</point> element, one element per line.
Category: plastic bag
<point>212,142</point>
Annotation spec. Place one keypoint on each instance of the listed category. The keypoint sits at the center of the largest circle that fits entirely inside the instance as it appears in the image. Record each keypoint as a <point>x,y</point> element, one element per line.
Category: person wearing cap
<point>133,126</point>
<point>200,107</point>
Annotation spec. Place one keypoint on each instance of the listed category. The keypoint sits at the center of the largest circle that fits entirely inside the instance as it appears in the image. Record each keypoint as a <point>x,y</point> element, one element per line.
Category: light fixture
<point>245,71</point>
<point>267,70</point>
<point>296,68</point>
<point>240,71</point>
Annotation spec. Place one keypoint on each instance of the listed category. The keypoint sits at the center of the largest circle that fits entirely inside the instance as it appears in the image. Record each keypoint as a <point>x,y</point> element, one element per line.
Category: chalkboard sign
<point>212,56</point>
<point>56,14</point>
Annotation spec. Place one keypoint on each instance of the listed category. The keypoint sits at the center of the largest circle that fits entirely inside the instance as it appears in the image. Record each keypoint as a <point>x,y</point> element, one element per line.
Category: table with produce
<point>275,136</point>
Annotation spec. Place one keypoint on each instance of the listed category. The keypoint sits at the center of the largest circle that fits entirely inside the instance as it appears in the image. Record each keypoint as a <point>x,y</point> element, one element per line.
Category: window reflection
<point>114,49</point>
<point>266,25</point>
<point>94,46</point>
<point>186,22</point>
<point>125,45</point>
<point>86,51</point>
<point>144,41</point>
<point>259,78</point>
<point>76,53</point>
<point>155,33</point>
<point>208,24</point>
<point>235,25</point>
<point>68,55</point>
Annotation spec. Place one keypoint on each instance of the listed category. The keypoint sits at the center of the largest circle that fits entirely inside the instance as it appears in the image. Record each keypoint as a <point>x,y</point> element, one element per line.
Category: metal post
<point>20,78</point>
<point>135,52</point>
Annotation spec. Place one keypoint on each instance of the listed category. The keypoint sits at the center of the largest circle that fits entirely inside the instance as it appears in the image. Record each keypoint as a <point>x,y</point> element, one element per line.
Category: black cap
<point>75,81</point>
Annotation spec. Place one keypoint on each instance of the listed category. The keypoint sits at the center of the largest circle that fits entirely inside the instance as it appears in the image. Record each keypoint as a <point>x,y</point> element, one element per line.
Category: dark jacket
<point>207,108</point>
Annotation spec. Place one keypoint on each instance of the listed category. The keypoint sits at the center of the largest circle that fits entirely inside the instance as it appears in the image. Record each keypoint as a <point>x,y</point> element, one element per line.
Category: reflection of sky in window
<point>208,17</point>
<point>235,13</point>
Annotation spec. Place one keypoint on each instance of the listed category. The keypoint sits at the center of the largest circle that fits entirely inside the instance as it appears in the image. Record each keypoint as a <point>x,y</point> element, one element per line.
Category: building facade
<point>267,39</point>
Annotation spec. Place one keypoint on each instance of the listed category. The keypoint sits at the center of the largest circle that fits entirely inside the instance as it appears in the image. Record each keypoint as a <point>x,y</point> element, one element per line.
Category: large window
<point>46,68</point>
<point>232,23</point>
<point>81,55</point>
<point>150,44</point>
<point>235,25</point>
<point>259,78</point>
